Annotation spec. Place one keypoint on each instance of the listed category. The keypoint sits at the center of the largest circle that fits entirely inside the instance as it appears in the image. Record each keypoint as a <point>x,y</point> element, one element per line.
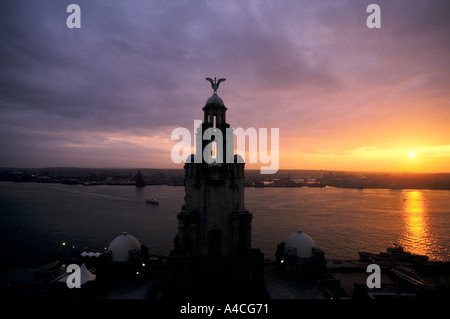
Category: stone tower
<point>213,243</point>
<point>214,221</point>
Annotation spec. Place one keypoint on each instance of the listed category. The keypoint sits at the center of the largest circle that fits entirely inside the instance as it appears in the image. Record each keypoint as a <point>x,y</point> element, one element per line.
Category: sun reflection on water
<point>416,236</point>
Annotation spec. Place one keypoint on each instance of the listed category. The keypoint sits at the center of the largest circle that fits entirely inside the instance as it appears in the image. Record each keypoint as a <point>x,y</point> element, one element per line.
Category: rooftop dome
<point>121,245</point>
<point>215,99</point>
<point>301,244</point>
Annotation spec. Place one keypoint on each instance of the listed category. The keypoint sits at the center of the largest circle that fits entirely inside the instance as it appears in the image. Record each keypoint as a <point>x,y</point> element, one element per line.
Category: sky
<point>109,94</point>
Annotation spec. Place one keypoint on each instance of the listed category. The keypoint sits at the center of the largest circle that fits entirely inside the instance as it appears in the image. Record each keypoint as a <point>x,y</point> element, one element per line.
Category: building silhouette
<point>212,253</point>
<point>140,181</point>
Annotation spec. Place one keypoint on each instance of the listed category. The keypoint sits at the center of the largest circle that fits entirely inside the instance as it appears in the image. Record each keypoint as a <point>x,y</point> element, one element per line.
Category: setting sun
<point>412,155</point>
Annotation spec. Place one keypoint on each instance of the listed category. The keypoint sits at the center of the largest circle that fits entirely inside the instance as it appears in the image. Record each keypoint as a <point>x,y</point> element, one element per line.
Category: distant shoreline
<point>247,186</point>
<point>283,178</point>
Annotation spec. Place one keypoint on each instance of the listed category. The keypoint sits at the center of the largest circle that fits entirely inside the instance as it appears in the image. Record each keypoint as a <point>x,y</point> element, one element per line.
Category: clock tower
<point>213,243</point>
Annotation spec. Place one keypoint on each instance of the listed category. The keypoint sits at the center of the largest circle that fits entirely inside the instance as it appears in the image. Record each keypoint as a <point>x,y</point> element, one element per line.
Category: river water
<point>37,219</point>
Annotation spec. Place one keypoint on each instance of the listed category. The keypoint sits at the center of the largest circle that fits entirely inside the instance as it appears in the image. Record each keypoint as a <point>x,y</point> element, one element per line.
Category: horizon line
<point>248,169</point>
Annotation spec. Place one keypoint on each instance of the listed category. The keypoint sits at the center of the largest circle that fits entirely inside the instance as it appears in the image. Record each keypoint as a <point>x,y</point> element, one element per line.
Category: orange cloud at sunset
<point>344,96</point>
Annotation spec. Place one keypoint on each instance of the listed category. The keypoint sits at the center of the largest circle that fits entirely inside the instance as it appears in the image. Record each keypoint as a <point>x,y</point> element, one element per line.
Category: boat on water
<point>396,253</point>
<point>152,202</point>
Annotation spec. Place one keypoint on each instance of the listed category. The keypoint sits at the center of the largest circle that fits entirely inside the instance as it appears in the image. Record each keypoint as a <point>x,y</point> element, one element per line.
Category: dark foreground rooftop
<point>341,280</point>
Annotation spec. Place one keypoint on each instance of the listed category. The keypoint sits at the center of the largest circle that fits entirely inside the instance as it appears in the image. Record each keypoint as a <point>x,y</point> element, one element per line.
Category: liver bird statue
<point>215,83</point>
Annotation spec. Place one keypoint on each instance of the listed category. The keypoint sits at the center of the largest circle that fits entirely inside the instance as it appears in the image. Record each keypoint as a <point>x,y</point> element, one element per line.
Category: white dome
<point>121,245</point>
<point>301,244</point>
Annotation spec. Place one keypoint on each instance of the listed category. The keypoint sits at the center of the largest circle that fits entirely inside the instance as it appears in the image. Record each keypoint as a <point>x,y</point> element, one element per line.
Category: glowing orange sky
<point>344,97</point>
